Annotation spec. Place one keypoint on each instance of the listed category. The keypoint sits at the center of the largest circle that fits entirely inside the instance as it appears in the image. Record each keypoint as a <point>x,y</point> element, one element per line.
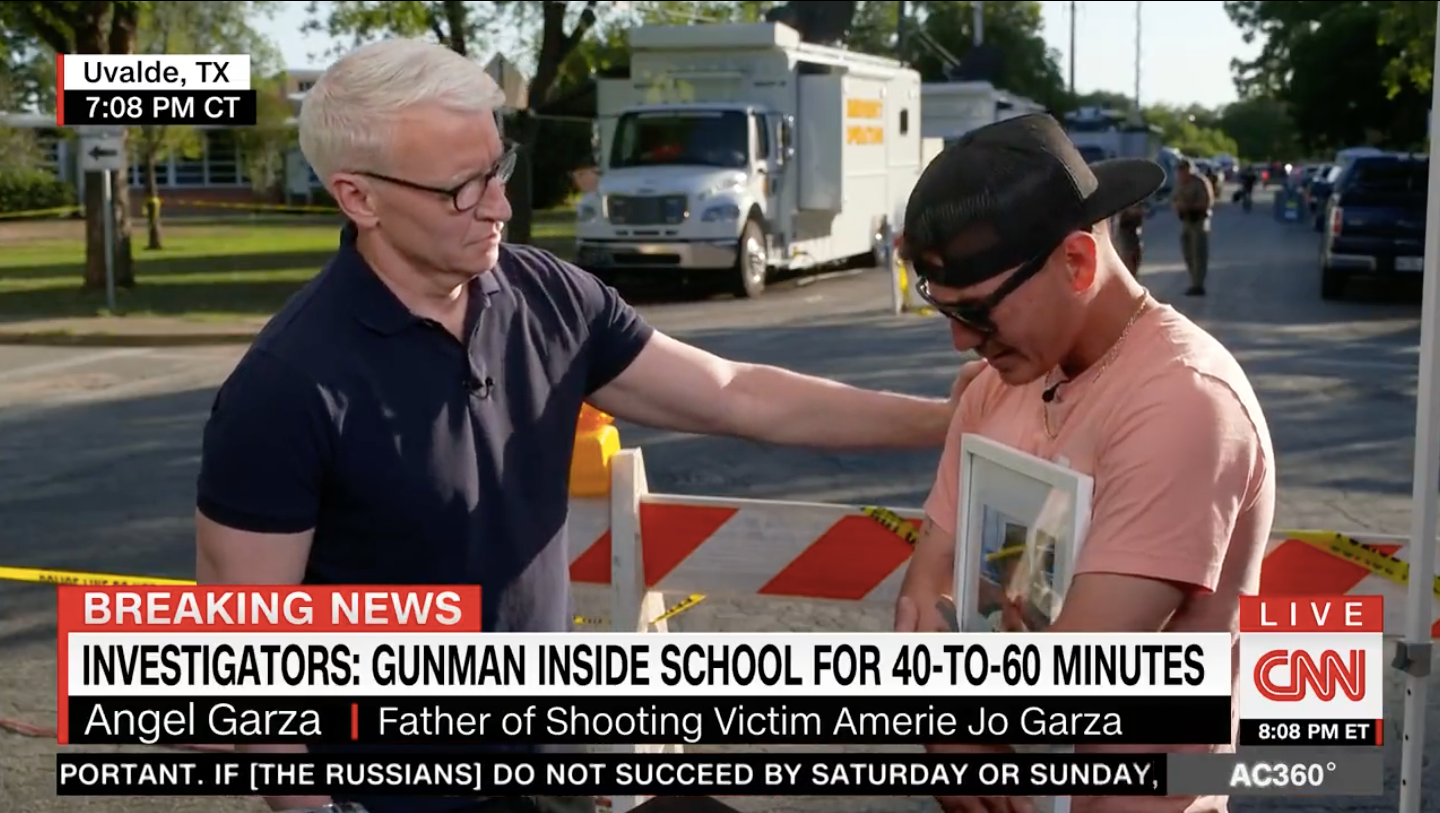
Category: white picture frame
<point>1019,523</point>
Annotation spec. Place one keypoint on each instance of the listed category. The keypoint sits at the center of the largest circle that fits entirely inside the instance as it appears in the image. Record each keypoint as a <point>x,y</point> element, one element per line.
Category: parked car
<point>1375,222</point>
<point>1317,192</point>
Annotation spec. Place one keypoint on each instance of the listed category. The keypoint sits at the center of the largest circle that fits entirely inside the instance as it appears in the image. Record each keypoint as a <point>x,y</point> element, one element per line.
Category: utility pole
<point>901,32</point>
<point>1072,48</point>
<point>979,9</point>
<point>1138,116</point>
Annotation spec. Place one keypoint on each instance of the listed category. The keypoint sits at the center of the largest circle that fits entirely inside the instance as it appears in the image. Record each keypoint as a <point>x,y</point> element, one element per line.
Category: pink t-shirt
<point>1184,474</point>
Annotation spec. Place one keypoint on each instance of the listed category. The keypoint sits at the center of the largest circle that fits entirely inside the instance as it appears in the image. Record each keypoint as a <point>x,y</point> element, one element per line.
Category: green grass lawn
<point>209,270</point>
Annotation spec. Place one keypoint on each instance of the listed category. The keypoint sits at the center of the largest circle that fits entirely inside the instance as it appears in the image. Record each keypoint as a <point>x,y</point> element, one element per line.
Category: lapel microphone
<point>1049,395</point>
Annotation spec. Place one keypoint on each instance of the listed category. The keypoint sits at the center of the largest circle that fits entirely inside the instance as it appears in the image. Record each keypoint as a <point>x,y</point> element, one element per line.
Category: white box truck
<point>734,151</point>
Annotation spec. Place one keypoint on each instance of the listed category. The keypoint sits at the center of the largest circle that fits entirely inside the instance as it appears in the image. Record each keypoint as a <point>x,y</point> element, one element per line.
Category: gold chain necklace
<point>1105,362</point>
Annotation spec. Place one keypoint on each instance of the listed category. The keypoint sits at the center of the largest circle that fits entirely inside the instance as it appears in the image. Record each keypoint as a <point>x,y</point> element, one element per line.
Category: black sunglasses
<point>467,194</point>
<point>975,314</point>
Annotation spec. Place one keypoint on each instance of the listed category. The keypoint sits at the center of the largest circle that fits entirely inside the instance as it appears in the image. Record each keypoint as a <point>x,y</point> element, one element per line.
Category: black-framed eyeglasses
<point>467,194</point>
<point>975,314</point>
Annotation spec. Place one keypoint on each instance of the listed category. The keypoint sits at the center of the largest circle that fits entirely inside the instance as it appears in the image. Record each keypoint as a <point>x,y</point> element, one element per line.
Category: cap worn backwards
<point>1009,192</point>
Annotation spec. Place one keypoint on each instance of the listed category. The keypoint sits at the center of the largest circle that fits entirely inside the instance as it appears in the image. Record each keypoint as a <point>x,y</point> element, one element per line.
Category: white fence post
<point>633,606</point>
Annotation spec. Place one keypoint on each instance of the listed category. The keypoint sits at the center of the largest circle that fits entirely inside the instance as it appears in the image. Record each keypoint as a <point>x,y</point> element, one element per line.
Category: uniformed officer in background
<point>1194,203</point>
<point>1127,233</point>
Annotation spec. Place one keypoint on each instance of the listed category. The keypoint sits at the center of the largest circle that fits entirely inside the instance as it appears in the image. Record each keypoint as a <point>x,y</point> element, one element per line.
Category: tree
<point>1190,130</point>
<point>263,147</point>
<point>1330,64</point>
<point>1028,68</point>
<point>1409,30</point>
<point>1261,127</point>
<point>1279,25</point>
<point>27,69</point>
<point>179,27</point>
<point>89,28</point>
<point>562,27</point>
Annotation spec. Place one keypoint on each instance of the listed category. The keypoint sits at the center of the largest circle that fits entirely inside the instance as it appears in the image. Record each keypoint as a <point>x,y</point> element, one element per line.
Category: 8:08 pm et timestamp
<point>141,108</point>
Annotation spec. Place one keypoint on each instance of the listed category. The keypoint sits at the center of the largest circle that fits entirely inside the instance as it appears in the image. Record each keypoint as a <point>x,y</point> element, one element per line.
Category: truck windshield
<point>712,138</point>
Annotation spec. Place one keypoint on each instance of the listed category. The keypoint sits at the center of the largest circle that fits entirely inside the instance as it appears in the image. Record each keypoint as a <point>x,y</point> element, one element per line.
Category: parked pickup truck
<point>1375,222</point>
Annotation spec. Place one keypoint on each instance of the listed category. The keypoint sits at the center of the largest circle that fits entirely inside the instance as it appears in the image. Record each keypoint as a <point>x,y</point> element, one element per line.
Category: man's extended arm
<point>672,385</point>
<point>227,556</point>
<point>259,493</point>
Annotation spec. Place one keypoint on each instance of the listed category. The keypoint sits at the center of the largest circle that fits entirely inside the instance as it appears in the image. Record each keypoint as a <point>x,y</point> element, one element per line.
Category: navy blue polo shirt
<point>415,457</point>
<point>419,459</point>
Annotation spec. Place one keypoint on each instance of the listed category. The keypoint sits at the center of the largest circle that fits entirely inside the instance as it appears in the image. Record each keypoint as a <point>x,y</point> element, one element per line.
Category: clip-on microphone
<point>1049,395</point>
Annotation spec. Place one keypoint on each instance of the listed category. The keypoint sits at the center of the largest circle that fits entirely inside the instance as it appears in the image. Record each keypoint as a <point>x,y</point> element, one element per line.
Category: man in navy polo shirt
<point>409,417</point>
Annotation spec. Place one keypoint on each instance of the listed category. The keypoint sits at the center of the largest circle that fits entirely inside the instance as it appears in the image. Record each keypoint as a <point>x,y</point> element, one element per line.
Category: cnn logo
<point>1292,675</point>
<point>1311,658</point>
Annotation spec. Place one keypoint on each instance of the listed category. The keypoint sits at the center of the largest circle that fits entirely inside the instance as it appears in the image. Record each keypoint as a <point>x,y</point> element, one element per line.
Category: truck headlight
<point>720,214</point>
<point>732,186</point>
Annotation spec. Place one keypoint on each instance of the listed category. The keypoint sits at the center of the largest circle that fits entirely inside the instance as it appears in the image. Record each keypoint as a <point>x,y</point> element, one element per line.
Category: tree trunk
<point>152,203</point>
<point>124,27</point>
<point>555,46</point>
<point>94,231</point>
<point>519,190</point>
<point>90,38</point>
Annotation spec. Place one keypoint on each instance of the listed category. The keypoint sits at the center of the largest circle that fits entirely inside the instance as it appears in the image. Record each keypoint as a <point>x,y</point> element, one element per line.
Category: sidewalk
<point>129,331</point>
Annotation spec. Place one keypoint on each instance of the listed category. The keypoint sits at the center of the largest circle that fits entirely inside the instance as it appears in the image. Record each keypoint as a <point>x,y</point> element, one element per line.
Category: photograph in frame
<point>1020,521</point>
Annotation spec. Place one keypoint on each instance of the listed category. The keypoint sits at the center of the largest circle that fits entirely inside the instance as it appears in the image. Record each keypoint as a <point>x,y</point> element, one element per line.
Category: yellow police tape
<point>48,576</point>
<point>57,211</point>
<point>253,207</point>
<point>1355,552</point>
<point>40,575</point>
<point>896,524</point>
<point>1334,543</point>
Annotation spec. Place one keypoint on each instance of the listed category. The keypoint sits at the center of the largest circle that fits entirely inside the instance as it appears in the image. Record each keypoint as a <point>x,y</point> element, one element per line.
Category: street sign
<point>101,154</point>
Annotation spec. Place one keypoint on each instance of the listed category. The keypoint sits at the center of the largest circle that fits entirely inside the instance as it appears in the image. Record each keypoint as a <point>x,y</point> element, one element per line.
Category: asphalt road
<point>99,450</point>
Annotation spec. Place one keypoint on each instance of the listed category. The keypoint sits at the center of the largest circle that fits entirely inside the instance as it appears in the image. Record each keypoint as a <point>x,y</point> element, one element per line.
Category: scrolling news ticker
<point>1278,772</point>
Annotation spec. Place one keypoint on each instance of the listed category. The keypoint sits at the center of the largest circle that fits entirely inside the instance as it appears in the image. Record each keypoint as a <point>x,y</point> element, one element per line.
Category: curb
<point>98,339</point>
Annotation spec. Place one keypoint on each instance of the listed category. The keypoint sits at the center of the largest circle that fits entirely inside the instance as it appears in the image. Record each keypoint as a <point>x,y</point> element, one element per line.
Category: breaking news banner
<point>612,774</point>
<point>1311,670</point>
<point>135,91</point>
<point>175,664</point>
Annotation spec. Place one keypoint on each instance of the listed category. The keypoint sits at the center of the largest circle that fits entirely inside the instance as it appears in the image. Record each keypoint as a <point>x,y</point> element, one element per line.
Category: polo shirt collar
<point>376,306</point>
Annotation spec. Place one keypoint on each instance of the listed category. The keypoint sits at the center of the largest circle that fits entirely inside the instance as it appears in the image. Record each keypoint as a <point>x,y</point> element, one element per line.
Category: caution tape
<point>255,207</point>
<point>42,575</point>
<point>1355,552</point>
<point>1332,542</point>
<point>688,603</point>
<point>57,211</point>
<point>895,523</point>
<point>38,575</point>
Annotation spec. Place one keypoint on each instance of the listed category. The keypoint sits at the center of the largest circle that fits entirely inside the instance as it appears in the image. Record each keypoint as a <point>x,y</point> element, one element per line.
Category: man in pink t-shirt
<point>1007,232</point>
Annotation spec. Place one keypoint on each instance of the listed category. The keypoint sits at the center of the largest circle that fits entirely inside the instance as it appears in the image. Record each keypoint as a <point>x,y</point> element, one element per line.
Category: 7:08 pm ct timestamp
<point>140,108</point>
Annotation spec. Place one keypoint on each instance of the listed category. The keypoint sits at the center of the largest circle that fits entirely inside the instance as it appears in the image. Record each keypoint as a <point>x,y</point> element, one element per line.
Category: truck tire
<point>752,262</point>
<point>1332,283</point>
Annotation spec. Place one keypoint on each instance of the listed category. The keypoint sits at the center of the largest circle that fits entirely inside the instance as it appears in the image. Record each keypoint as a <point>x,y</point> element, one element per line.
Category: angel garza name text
<point>741,721</point>
<point>148,726</point>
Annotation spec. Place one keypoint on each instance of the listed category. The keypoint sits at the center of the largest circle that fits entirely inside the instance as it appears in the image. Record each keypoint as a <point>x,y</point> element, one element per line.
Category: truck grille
<point>647,210</point>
